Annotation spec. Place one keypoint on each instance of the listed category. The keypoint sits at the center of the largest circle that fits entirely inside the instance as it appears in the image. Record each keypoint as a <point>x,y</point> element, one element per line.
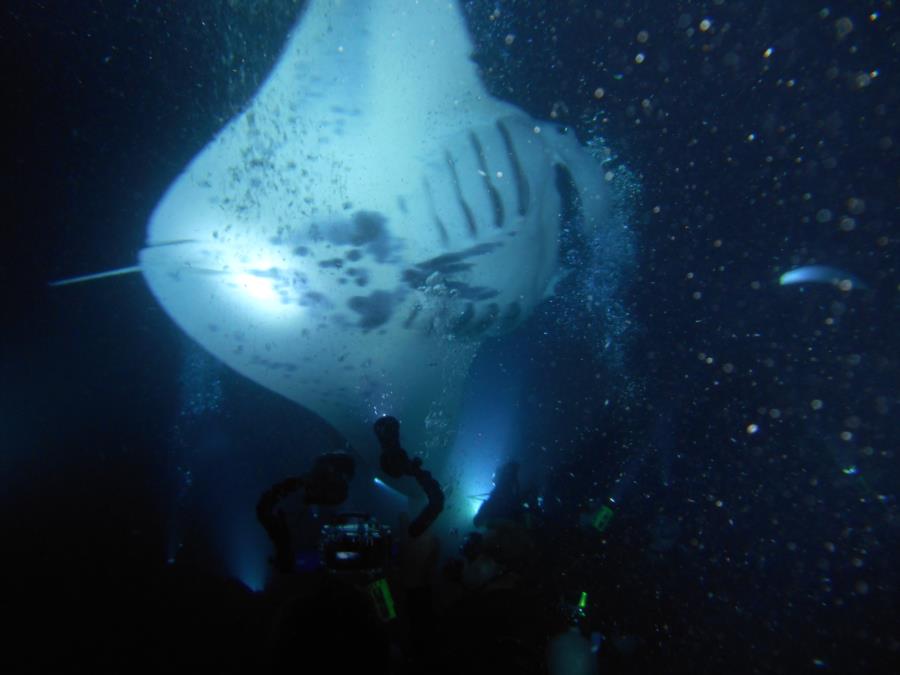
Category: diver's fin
<point>99,275</point>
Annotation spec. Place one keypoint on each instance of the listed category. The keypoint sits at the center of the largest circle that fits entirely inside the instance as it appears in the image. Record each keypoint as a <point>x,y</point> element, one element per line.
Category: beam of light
<point>257,288</point>
<point>260,280</point>
<point>477,464</point>
<point>246,277</point>
<point>247,551</point>
<point>487,437</point>
<point>475,502</point>
<point>387,488</point>
<point>264,294</point>
<point>253,576</point>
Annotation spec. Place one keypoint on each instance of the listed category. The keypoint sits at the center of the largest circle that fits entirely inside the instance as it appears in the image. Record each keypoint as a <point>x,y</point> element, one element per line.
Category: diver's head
<point>329,481</point>
<point>472,546</point>
<point>504,501</point>
<point>507,475</point>
<point>341,463</point>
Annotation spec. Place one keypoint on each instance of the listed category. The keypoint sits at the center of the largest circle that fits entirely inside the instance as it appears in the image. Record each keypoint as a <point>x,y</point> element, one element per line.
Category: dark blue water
<point>745,430</point>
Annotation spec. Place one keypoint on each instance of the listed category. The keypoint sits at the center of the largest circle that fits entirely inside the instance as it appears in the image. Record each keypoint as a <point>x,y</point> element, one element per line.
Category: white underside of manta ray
<point>351,237</point>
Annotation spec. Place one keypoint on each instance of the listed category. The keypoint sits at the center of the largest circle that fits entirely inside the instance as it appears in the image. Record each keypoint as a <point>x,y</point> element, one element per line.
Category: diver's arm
<point>274,522</point>
<point>395,462</point>
<point>435,499</point>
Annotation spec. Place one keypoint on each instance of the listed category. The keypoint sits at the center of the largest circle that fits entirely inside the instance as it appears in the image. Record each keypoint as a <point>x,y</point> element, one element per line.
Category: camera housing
<point>355,542</point>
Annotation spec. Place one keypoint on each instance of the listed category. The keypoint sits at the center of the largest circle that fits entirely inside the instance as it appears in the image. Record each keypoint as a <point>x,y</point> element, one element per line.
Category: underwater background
<point>744,430</point>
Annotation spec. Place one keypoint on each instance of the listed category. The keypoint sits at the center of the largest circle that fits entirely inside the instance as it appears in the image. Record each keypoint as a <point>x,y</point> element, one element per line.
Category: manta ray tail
<point>93,277</point>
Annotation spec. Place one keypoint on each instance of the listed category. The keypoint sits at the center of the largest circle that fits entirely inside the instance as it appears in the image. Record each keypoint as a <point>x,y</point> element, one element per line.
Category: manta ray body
<point>372,216</point>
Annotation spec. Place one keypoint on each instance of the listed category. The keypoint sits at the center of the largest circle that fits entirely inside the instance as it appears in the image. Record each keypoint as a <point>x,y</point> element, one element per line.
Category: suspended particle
<point>856,206</point>
<point>843,27</point>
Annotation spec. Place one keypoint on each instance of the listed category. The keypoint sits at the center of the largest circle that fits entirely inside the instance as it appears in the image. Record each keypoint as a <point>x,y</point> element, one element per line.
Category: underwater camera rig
<point>352,544</point>
<point>357,546</point>
<point>355,542</point>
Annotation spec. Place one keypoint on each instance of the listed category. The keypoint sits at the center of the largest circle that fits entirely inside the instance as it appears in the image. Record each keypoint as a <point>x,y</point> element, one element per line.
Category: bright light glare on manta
<point>371,217</point>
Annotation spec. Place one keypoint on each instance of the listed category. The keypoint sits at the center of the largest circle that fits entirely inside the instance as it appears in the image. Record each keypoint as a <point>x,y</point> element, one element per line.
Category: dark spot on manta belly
<point>366,229</point>
<point>374,309</point>
<point>314,299</point>
<point>371,231</point>
<point>360,274</point>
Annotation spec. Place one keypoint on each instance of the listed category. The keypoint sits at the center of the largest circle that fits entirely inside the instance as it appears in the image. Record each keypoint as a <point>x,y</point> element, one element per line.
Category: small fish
<point>822,274</point>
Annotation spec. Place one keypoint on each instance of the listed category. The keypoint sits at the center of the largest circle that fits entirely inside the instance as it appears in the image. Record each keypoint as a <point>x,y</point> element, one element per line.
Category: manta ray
<point>350,238</point>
